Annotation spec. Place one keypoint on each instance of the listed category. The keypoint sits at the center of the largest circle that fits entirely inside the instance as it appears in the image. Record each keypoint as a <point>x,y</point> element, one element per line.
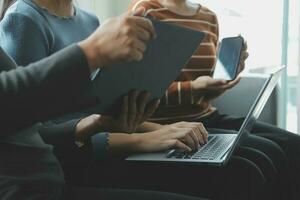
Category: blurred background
<point>272,31</point>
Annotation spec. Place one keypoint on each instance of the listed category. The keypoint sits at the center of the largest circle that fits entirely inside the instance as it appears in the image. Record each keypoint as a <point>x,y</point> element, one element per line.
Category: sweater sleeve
<point>23,39</point>
<point>99,144</point>
<point>62,134</point>
<point>179,93</point>
<point>42,90</point>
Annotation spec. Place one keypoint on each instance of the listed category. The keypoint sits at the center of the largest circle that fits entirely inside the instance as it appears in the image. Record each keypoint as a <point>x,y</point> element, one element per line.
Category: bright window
<point>261,27</point>
<point>293,66</point>
<point>261,24</point>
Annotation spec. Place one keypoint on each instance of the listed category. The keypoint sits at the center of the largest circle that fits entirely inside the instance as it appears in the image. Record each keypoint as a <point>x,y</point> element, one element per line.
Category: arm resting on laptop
<point>120,144</point>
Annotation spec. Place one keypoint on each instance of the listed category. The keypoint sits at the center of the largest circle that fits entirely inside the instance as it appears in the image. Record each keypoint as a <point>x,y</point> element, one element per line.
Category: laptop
<point>220,147</point>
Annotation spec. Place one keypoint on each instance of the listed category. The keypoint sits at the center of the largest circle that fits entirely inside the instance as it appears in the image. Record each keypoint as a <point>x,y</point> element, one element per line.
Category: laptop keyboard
<point>211,151</point>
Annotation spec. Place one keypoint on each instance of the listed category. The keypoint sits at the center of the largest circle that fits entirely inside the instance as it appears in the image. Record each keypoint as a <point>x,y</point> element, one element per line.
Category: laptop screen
<point>257,107</point>
<point>261,100</point>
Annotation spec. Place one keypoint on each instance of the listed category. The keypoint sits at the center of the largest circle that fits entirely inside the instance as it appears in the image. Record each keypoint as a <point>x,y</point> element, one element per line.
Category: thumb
<point>139,12</point>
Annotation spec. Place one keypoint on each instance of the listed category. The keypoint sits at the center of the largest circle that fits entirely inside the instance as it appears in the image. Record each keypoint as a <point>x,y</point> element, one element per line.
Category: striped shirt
<point>177,104</point>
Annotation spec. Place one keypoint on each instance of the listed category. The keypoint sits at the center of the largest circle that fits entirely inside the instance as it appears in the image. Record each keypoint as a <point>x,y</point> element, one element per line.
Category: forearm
<point>121,144</point>
<point>197,93</point>
<point>148,127</point>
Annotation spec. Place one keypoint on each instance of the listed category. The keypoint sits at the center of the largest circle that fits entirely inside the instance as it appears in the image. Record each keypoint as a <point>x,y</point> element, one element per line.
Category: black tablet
<point>163,60</point>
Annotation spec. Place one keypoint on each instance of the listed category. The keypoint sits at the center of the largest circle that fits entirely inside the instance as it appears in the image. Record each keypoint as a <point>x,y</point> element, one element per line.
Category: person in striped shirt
<point>189,97</point>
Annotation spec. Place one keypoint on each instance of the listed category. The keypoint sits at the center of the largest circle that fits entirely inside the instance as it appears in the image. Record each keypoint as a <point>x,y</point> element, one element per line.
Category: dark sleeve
<point>45,89</point>
<point>61,134</point>
<point>61,137</point>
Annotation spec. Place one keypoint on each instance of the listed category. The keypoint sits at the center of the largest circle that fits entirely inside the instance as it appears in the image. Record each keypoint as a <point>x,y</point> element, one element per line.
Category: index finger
<point>141,105</point>
<point>145,24</point>
<point>124,109</point>
<point>203,131</point>
<point>218,82</point>
<point>150,109</point>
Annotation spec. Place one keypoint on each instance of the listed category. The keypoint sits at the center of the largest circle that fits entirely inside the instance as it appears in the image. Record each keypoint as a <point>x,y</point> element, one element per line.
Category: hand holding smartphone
<point>229,58</point>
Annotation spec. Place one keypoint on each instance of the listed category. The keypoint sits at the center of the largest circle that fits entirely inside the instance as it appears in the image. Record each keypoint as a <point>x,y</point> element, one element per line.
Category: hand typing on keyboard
<point>211,151</point>
<point>185,136</point>
<point>197,137</point>
<point>186,155</point>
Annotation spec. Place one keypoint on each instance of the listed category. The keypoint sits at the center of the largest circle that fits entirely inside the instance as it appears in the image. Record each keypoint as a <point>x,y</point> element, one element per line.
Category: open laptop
<point>220,146</point>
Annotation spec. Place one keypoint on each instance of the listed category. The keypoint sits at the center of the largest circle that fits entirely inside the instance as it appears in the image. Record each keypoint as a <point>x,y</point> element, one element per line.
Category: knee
<point>246,177</point>
<point>271,149</point>
<point>260,160</point>
<point>245,169</point>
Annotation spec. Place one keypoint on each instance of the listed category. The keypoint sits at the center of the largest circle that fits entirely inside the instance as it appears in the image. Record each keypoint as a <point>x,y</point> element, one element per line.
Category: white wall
<point>105,8</point>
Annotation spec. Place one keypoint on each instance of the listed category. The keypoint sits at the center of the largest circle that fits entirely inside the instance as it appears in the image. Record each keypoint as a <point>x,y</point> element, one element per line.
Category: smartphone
<point>228,58</point>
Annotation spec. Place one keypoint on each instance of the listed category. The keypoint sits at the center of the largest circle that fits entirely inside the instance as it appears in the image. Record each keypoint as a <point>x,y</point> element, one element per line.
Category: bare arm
<point>148,127</point>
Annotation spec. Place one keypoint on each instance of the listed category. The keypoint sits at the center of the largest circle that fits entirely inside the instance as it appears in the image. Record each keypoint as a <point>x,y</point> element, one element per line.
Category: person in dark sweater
<point>28,168</point>
<point>45,27</point>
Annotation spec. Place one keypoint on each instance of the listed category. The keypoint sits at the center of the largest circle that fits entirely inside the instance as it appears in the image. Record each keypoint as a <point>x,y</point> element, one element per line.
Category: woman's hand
<point>87,127</point>
<point>243,58</point>
<point>211,88</point>
<point>185,138</point>
<point>197,137</point>
<point>134,112</point>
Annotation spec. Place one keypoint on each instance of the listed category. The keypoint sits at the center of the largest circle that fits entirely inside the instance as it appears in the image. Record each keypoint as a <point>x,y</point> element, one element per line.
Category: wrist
<point>148,127</point>
<point>198,89</point>
<point>106,124</point>
<point>80,133</point>
<point>136,141</point>
<point>193,85</point>
<point>194,92</point>
<point>87,127</point>
<point>92,55</point>
<point>122,143</point>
